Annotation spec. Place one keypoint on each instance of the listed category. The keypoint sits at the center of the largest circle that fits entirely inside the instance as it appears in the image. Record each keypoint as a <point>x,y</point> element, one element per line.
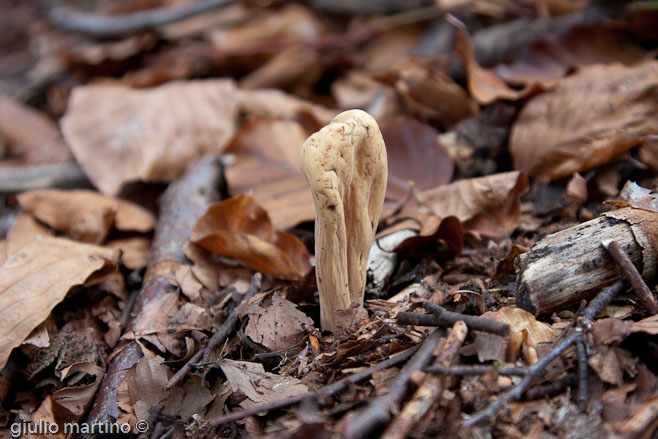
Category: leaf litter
<point>494,144</point>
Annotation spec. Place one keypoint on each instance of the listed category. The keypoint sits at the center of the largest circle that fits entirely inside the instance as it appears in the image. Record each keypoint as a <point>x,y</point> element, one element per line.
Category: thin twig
<point>321,395</point>
<point>378,412</point>
<point>104,26</point>
<point>536,370</point>
<point>218,337</point>
<point>583,392</point>
<point>632,275</point>
<point>474,323</point>
<point>477,369</point>
<point>31,177</point>
<point>551,389</point>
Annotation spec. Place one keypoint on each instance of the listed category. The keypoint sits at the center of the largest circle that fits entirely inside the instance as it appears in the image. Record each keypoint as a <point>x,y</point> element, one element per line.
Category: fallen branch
<point>536,370</point>
<point>474,323</point>
<point>321,395</point>
<point>229,326</point>
<point>180,207</point>
<point>27,178</point>
<point>477,369</point>
<point>104,26</point>
<point>571,265</point>
<point>378,412</point>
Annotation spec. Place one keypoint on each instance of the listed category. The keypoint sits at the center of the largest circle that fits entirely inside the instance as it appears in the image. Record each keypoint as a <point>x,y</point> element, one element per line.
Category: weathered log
<point>571,265</point>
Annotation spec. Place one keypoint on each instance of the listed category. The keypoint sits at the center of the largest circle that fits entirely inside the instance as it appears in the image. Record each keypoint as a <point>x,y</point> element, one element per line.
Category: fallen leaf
<point>547,61</point>
<point>276,323</point>
<point>119,134</point>
<point>275,104</point>
<point>31,137</point>
<point>239,228</point>
<point>135,251</point>
<point>76,399</point>
<point>605,362</point>
<point>521,320</point>
<point>152,323</point>
<point>488,206</point>
<point>272,145</point>
<point>649,152</point>
<point>85,215</point>
<point>24,231</point>
<point>150,384</point>
<point>608,331</point>
<point>587,120</point>
<point>483,84</point>
<point>638,197</point>
<point>414,157</point>
<point>648,325</point>
<point>259,386</point>
<point>36,278</point>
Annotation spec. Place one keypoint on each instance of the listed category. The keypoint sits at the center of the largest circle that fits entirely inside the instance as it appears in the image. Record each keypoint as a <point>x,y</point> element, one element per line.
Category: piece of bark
<point>180,207</point>
<point>571,265</point>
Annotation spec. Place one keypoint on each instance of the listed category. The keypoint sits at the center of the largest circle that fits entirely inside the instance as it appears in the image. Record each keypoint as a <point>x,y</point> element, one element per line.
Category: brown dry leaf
<point>153,324</point>
<point>483,84</point>
<point>275,104</point>
<point>545,62</point>
<point>414,157</point>
<point>641,421</point>
<point>638,197</point>
<point>189,399</point>
<point>587,120</point>
<point>488,206</point>
<point>520,320</point>
<point>76,399</point>
<point>259,386</point>
<point>85,215</point>
<point>276,323</point>
<point>31,137</point>
<point>267,168</point>
<point>239,228</point>
<point>610,330</point>
<point>649,152</point>
<point>607,364</point>
<point>24,231</point>
<point>648,325</point>
<point>119,134</point>
<point>37,277</point>
<point>150,384</point>
<point>135,251</point>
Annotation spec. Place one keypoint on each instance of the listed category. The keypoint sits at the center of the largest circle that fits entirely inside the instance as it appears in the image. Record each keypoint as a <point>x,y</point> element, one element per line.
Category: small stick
<point>582,376</point>
<point>378,412</point>
<point>31,177</point>
<point>535,371</point>
<point>321,395</point>
<point>218,337</point>
<point>429,392</point>
<point>474,323</point>
<point>478,369</point>
<point>551,389</point>
<point>632,275</point>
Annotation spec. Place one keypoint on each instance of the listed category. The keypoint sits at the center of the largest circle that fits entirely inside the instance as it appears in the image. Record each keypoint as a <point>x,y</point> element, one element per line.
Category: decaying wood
<point>474,323</point>
<point>27,178</point>
<point>180,207</point>
<point>571,265</point>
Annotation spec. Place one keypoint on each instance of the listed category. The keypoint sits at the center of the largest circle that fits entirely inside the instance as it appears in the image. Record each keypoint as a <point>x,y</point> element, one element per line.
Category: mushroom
<point>345,165</point>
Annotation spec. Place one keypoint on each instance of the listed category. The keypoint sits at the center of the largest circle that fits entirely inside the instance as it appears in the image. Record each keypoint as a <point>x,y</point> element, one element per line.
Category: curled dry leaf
<point>85,215</point>
<point>587,120</point>
<point>276,323</point>
<point>119,134</point>
<point>483,84</point>
<point>414,156</point>
<point>239,228</point>
<point>36,278</point>
<point>488,206</point>
<point>636,196</point>
<point>259,387</point>
<point>267,168</point>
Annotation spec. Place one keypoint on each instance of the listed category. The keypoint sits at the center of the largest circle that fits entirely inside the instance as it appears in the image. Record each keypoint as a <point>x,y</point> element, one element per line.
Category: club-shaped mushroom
<point>345,166</point>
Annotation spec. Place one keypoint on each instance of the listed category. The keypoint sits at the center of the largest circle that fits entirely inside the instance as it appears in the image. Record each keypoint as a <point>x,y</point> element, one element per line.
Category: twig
<point>103,26</point>
<point>321,395</point>
<point>27,178</point>
<point>535,371</point>
<point>478,369</point>
<point>378,412</point>
<point>551,389</point>
<point>583,393</point>
<point>218,337</point>
<point>429,392</point>
<point>632,275</point>
<point>474,323</point>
